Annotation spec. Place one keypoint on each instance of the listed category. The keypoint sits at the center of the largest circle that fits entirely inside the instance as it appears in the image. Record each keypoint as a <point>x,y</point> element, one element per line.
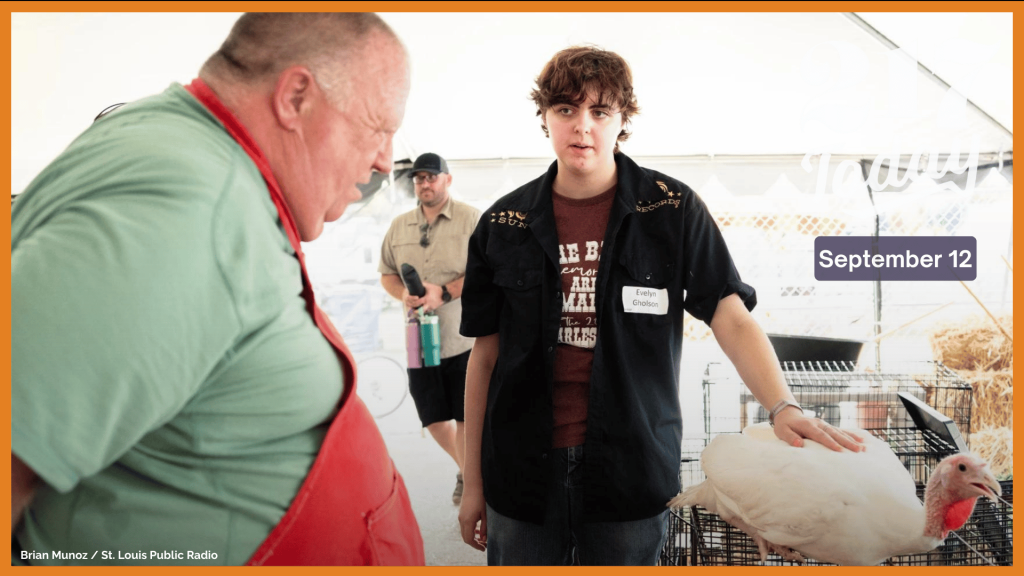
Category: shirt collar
<point>446,211</point>
<point>631,179</point>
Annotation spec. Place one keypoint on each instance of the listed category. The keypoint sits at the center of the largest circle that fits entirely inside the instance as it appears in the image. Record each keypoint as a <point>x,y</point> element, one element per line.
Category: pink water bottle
<point>412,341</point>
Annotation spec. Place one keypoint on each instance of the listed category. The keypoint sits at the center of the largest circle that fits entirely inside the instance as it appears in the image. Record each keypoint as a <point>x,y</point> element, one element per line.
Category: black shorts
<point>440,391</point>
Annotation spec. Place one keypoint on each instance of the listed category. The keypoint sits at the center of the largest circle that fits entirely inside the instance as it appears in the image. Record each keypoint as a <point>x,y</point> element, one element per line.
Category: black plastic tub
<point>815,349</point>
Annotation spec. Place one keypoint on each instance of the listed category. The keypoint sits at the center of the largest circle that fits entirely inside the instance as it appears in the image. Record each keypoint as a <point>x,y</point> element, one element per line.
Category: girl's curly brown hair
<point>571,73</point>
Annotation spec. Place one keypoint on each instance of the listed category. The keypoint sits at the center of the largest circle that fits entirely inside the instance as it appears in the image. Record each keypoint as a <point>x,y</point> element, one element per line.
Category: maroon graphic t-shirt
<point>581,226</point>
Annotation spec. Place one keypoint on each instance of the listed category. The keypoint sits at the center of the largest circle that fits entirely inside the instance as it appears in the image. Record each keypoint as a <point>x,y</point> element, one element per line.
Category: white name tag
<point>639,300</point>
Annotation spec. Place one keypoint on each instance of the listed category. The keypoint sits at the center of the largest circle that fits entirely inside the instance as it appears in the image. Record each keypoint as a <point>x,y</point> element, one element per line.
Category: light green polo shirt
<point>168,385</point>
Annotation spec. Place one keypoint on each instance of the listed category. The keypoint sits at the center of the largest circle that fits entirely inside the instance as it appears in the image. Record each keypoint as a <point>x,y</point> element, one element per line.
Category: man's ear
<point>293,95</point>
<point>449,179</point>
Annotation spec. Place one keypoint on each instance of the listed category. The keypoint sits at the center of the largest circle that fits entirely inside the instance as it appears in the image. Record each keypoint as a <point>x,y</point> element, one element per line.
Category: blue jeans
<point>564,539</point>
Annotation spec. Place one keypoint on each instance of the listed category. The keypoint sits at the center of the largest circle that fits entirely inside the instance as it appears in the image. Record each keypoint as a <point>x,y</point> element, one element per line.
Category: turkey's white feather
<point>841,507</point>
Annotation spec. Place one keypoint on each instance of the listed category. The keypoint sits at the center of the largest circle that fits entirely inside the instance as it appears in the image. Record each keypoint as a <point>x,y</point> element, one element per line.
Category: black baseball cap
<point>430,162</point>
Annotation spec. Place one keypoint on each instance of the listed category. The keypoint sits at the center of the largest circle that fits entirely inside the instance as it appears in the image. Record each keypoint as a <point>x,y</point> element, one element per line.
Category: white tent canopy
<point>708,84</point>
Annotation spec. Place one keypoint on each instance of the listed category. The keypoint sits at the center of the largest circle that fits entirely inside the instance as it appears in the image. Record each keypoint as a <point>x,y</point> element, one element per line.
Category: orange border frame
<point>442,6</point>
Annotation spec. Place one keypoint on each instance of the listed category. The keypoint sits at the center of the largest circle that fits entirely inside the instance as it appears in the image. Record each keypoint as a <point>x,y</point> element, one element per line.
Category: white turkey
<point>847,508</point>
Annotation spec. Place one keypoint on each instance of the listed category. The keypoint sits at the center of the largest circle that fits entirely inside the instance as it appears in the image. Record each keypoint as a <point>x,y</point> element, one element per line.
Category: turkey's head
<point>953,489</point>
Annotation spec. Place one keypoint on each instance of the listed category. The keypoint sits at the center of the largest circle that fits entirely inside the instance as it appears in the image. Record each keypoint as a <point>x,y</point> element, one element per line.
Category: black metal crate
<point>840,394</point>
<point>677,550</point>
<point>919,450</point>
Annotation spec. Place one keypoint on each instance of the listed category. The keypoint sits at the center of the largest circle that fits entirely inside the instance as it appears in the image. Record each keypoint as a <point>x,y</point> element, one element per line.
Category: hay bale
<point>974,344</point>
<point>995,445</point>
<point>992,403</point>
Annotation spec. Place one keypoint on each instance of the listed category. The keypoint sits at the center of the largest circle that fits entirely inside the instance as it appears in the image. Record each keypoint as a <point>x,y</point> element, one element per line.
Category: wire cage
<point>678,550</point>
<point>841,394</point>
<point>919,450</point>
<point>700,538</point>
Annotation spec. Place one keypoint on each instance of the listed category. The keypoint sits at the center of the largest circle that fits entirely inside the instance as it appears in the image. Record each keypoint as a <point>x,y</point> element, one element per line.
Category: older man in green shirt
<point>171,383</point>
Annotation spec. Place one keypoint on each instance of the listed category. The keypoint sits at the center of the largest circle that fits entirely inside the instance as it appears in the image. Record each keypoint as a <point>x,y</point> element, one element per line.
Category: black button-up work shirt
<point>660,237</point>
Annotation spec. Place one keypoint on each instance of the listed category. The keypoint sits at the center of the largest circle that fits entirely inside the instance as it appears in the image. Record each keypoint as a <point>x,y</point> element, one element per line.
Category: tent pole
<point>856,19</point>
<point>865,167</point>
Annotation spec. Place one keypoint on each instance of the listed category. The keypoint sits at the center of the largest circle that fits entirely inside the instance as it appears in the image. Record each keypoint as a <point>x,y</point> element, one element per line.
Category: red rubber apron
<point>353,508</point>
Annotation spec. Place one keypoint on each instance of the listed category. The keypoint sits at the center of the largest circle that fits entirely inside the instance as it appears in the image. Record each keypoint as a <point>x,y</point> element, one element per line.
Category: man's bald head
<point>322,95</point>
<point>331,45</point>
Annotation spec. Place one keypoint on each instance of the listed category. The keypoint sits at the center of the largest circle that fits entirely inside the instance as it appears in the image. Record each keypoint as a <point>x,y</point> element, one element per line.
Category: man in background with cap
<point>433,239</point>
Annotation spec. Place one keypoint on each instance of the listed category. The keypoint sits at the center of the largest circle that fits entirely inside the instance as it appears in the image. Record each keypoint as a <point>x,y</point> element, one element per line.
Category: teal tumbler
<point>430,339</point>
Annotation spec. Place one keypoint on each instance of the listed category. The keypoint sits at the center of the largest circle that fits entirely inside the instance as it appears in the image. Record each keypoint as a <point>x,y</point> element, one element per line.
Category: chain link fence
<point>771,213</point>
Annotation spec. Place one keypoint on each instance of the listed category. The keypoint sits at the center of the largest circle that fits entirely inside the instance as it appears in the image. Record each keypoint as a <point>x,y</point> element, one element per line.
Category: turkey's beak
<point>988,486</point>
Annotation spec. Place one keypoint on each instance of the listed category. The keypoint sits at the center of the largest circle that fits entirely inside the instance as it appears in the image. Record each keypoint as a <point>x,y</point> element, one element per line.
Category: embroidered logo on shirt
<point>510,218</point>
<point>672,200</point>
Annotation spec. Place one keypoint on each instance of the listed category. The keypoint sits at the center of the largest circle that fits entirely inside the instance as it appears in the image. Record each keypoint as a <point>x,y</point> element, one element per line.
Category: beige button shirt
<point>441,262</point>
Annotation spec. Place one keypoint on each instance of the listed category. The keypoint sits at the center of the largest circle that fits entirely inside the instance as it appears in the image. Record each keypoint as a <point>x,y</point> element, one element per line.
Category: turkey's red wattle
<point>957,514</point>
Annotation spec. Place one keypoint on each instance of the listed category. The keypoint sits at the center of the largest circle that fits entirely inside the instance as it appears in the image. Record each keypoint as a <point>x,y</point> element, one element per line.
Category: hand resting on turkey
<point>847,508</point>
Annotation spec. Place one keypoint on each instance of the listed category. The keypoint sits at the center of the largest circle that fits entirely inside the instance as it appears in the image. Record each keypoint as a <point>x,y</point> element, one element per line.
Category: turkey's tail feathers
<point>696,495</point>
